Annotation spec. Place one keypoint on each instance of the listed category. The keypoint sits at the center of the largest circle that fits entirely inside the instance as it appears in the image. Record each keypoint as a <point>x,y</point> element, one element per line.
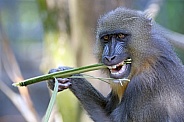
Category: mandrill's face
<point>118,35</point>
<point>115,54</point>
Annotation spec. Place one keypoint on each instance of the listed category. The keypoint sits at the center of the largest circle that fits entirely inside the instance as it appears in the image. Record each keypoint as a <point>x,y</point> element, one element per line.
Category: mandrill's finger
<point>63,80</point>
<point>53,70</point>
<point>63,86</point>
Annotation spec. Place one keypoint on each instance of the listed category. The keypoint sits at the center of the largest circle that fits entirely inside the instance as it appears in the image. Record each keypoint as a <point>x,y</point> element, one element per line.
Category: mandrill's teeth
<point>120,71</point>
<point>115,66</point>
<point>112,67</point>
<point>121,64</point>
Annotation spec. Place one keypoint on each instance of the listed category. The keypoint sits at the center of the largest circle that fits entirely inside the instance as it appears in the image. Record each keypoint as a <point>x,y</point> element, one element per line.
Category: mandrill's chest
<point>150,106</point>
<point>136,111</point>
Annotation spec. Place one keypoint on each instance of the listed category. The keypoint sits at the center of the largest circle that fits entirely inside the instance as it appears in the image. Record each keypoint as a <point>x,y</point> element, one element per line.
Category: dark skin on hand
<point>155,92</point>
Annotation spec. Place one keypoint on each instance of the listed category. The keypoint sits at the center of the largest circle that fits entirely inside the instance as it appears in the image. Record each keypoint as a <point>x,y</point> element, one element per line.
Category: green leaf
<point>52,101</point>
<point>60,74</point>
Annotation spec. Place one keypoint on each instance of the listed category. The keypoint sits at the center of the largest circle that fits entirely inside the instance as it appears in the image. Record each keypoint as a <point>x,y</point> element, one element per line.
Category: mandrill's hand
<point>63,83</point>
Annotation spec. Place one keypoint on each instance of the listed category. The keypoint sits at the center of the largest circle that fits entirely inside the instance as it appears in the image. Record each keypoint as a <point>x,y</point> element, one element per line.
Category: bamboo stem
<point>60,74</point>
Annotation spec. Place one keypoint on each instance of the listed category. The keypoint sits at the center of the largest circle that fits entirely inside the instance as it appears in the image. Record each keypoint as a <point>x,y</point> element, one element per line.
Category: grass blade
<point>61,74</point>
<point>52,101</point>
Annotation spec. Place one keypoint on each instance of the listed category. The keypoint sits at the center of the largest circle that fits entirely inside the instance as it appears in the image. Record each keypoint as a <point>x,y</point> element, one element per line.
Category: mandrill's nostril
<point>110,58</point>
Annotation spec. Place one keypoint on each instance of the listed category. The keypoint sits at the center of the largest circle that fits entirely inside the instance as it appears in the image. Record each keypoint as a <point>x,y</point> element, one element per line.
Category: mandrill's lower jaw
<point>120,70</point>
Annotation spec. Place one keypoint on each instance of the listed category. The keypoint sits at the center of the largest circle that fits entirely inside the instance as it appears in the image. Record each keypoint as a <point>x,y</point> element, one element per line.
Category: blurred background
<point>37,35</point>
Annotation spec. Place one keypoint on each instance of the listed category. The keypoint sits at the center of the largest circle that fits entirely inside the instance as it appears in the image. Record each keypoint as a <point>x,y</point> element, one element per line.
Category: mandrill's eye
<point>121,36</point>
<point>106,37</point>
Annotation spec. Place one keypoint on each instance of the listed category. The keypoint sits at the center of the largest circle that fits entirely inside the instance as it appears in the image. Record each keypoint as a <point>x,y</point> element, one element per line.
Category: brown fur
<point>119,89</point>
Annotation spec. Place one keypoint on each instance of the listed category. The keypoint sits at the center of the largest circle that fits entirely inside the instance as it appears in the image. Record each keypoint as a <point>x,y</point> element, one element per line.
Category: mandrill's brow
<point>113,32</point>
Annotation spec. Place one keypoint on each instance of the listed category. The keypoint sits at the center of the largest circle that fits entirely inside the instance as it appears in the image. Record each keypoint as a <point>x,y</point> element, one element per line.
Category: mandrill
<point>155,92</point>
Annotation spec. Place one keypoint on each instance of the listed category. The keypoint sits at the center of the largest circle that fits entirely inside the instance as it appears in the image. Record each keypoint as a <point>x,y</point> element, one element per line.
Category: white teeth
<point>112,67</point>
<point>122,63</point>
<point>120,71</point>
<point>115,66</point>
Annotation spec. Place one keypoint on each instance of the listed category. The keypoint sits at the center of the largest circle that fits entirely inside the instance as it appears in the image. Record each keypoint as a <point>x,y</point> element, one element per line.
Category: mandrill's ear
<point>152,10</point>
<point>149,16</point>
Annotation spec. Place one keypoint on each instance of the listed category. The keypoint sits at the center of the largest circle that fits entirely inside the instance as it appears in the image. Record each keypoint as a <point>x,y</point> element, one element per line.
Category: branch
<point>153,8</point>
<point>176,39</point>
<point>19,103</point>
<point>12,69</point>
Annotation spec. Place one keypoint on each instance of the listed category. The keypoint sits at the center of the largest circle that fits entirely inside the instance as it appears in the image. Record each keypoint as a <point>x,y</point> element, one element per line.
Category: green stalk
<point>52,101</point>
<point>60,74</point>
